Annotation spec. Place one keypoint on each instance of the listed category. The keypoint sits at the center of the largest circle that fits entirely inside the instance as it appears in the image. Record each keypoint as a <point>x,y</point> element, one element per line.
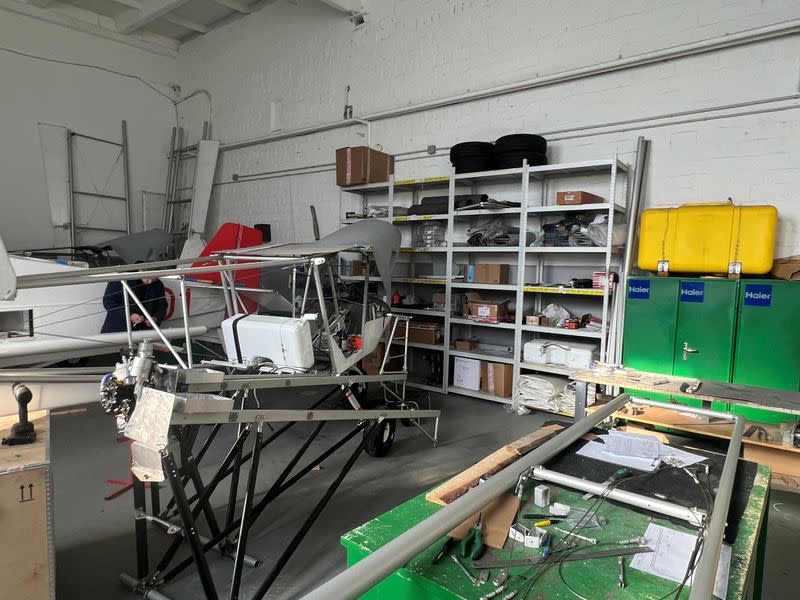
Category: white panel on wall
<point>53,140</point>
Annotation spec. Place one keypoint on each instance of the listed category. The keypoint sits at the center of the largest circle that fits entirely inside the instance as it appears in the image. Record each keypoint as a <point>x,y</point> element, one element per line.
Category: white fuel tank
<point>575,355</point>
<point>281,340</point>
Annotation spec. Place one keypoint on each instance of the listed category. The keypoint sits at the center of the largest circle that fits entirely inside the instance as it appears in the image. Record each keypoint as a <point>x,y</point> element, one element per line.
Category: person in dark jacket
<point>150,293</point>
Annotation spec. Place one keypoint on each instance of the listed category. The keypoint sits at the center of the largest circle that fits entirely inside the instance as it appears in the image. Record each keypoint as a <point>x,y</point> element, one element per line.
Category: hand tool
<point>472,578</point>
<point>472,545</point>
<point>540,516</point>
<point>559,557</point>
<point>547,522</point>
<point>618,474</point>
<point>621,583</point>
<point>547,545</point>
<point>577,535</point>
<point>448,544</point>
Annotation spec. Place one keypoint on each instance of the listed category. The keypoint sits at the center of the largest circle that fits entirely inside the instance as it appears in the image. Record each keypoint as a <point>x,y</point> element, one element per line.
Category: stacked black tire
<point>507,152</point>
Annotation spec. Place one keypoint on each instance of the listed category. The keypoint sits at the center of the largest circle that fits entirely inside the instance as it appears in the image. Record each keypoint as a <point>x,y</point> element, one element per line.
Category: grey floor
<point>94,538</point>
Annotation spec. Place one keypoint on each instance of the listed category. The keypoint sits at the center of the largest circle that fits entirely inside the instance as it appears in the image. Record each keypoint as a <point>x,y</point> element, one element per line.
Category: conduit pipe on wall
<point>749,36</point>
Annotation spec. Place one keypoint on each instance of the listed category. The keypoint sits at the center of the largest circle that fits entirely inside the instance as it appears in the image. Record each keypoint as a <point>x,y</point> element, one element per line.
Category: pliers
<point>472,545</point>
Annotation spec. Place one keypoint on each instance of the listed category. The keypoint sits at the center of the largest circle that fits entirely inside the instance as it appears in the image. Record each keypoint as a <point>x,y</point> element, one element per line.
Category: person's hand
<point>136,319</point>
<point>148,324</point>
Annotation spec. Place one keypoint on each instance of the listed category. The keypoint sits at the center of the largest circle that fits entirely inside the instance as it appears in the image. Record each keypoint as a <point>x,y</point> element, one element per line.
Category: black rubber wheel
<point>359,390</point>
<point>472,165</point>
<point>471,150</point>
<point>513,160</point>
<point>379,438</point>
<point>525,142</point>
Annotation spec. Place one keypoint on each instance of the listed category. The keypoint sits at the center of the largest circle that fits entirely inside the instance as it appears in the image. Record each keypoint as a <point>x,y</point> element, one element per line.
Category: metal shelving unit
<point>535,188</point>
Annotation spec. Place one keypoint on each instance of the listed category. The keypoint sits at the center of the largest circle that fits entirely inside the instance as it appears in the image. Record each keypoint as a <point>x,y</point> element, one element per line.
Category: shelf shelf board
<point>488,249</point>
<point>499,175</point>
<point>424,386</point>
<point>482,212</point>
<point>418,311</point>
<point>415,218</point>
<point>576,168</point>
<point>455,321</point>
<point>415,249</point>
<point>563,331</point>
<point>484,354</point>
<point>399,185</point>
<point>543,289</point>
<point>564,208</point>
<point>484,286</point>
<point>435,347</point>
<point>477,394</point>
<point>420,280</point>
<point>566,250</point>
<point>545,368</point>
<point>357,278</point>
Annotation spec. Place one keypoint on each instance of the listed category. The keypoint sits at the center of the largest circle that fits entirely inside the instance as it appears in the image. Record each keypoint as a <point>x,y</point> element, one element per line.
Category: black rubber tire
<point>474,164</point>
<point>379,438</point>
<point>471,150</point>
<point>513,160</point>
<point>527,142</point>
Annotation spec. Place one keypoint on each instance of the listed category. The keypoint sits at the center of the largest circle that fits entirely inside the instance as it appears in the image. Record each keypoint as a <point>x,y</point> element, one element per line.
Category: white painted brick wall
<point>302,54</point>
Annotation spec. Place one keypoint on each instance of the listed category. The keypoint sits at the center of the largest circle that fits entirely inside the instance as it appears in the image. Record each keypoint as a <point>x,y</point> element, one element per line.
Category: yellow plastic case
<point>708,238</point>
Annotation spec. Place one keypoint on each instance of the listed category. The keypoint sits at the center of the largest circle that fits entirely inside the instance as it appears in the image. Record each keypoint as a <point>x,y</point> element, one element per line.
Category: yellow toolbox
<point>708,238</point>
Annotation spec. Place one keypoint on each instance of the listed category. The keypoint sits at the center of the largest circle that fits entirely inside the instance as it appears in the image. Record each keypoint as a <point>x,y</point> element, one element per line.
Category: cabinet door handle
<point>687,350</point>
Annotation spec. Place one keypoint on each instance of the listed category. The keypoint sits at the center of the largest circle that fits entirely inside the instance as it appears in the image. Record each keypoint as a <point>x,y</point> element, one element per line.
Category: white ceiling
<point>161,25</point>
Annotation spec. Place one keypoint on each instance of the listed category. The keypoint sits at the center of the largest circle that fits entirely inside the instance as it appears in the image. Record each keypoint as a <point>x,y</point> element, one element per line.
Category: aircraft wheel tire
<point>379,438</point>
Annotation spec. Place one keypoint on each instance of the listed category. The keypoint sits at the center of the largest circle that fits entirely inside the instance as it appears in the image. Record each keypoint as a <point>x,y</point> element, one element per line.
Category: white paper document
<point>670,557</point>
<point>637,451</point>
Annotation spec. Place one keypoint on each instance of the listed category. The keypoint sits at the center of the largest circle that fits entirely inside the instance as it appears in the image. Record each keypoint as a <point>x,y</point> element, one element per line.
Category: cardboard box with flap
<point>360,164</point>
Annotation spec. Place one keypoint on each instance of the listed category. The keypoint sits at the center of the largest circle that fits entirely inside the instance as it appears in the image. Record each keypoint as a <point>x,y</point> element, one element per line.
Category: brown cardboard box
<point>577,198</point>
<point>360,164</point>
<point>372,363</point>
<point>533,320</point>
<point>466,344</point>
<point>497,379</point>
<point>488,311</point>
<point>491,273</point>
<point>424,335</point>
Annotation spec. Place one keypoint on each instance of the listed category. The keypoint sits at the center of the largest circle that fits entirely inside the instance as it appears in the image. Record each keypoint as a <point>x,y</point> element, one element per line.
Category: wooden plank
<point>15,458</point>
<point>775,400</point>
<point>461,483</point>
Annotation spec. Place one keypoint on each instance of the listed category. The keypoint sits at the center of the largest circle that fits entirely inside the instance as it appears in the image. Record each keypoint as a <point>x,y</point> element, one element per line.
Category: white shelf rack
<point>534,188</point>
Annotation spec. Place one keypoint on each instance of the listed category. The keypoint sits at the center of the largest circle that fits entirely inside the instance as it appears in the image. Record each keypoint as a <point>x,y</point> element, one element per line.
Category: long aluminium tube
<point>706,569</point>
<point>186,334</point>
<point>703,412</point>
<point>380,564</point>
<point>692,516</point>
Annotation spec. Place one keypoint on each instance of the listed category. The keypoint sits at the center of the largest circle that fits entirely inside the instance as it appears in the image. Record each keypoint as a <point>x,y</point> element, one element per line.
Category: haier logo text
<point>692,291</point>
<point>756,294</point>
<point>639,289</point>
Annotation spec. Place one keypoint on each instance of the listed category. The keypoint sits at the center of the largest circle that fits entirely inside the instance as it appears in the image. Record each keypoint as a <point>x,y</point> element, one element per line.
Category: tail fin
<point>230,237</point>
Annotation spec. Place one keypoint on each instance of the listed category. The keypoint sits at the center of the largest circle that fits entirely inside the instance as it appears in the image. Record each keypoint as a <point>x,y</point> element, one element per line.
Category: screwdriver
<point>618,474</point>
<point>547,522</point>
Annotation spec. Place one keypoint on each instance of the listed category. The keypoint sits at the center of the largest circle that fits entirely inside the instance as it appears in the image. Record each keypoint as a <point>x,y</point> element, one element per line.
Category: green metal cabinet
<point>767,340</point>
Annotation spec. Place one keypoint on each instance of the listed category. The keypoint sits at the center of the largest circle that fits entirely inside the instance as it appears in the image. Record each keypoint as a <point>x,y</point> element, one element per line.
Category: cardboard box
<point>420,334</point>
<point>466,344</point>
<point>372,364</point>
<point>466,373</point>
<point>456,300</point>
<point>497,379</point>
<point>577,198</point>
<point>491,273</point>
<point>488,311</point>
<point>359,164</point>
<point>533,320</point>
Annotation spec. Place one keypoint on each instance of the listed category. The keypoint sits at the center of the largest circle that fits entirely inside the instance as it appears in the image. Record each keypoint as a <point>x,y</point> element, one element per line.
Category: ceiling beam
<point>198,27</point>
<point>168,48</point>
<point>348,7</point>
<point>135,18</point>
<point>236,5</point>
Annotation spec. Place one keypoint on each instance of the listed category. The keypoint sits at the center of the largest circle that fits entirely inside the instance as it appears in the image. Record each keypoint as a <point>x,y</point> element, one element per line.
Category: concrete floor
<point>94,538</point>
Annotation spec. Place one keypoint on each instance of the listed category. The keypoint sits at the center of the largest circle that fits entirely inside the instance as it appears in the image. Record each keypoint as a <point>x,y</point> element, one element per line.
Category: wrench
<point>621,583</point>
<point>461,566</point>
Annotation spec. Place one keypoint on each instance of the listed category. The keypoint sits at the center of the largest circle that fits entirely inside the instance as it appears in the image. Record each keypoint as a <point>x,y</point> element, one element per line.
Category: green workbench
<point>594,579</point>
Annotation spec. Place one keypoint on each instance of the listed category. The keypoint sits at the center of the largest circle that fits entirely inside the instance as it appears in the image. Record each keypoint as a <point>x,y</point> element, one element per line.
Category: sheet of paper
<point>597,450</point>
<point>670,557</point>
<point>631,444</point>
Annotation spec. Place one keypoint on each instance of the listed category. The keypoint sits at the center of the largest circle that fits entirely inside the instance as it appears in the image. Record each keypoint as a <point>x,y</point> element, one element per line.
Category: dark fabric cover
<point>151,296</point>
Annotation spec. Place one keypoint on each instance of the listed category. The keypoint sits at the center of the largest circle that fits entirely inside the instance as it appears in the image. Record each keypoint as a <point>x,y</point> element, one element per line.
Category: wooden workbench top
<point>27,456</point>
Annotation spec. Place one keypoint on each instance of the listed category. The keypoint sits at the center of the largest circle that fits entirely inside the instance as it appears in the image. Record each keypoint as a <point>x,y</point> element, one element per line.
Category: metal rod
<point>126,178</point>
<point>632,212</point>
<point>309,522</point>
<point>294,292</point>
<point>134,584</point>
<point>128,324</point>
<point>176,175</point>
<point>164,224</point>
<point>241,544</point>
<point>155,326</point>
<point>141,529</point>
<point>90,228</point>
<point>96,139</point>
<point>71,175</point>
<point>189,528</point>
<point>705,572</point>
<point>692,516</point>
<point>96,195</point>
<point>187,336</point>
<point>704,412</point>
<point>377,566</point>
<point>286,415</point>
